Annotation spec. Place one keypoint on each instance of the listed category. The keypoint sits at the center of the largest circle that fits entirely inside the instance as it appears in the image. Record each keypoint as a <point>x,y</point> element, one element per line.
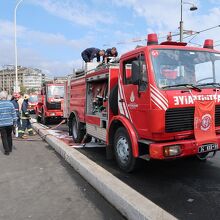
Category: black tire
<point>77,131</point>
<point>122,145</point>
<point>38,118</point>
<point>113,100</point>
<point>44,120</point>
<point>202,157</point>
<point>88,139</point>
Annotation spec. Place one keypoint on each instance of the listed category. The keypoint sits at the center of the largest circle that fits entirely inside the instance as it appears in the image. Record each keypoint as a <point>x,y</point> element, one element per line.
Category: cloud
<point>32,36</point>
<point>162,18</point>
<point>75,11</point>
<point>30,58</point>
<point>7,29</point>
<point>157,14</point>
<point>28,55</point>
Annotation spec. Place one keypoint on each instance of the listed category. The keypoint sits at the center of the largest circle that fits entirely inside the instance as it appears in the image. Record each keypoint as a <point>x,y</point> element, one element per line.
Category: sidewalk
<point>36,183</point>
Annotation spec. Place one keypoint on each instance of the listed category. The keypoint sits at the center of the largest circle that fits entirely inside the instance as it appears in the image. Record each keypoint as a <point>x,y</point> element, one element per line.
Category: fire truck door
<point>134,99</point>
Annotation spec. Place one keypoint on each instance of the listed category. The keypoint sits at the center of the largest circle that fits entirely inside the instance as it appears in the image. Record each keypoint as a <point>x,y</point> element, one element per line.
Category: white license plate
<point>207,147</point>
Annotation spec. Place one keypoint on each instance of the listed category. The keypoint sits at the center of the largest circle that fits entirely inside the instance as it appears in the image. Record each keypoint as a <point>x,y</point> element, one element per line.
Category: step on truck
<point>161,101</point>
<point>50,102</point>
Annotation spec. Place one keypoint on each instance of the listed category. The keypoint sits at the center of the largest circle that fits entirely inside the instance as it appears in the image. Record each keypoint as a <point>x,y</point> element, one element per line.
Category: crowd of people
<point>14,118</point>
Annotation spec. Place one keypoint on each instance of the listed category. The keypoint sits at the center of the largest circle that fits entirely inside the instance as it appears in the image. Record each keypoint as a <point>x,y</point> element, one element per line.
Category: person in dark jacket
<point>25,119</point>
<point>90,53</point>
<point>111,52</point>
<point>14,101</point>
<point>7,121</point>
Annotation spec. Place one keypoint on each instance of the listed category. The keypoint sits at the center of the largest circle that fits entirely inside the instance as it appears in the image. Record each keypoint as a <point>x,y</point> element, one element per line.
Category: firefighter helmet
<point>16,95</point>
<point>26,96</point>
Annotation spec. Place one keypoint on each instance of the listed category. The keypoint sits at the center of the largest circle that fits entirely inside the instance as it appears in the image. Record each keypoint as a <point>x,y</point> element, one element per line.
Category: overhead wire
<point>193,35</point>
<point>199,32</point>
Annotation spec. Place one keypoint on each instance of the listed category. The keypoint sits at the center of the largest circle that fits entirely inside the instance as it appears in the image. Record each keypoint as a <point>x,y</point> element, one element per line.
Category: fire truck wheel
<point>113,100</point>
<point>77,131</point>
<point>43,119</point>
<point>38,118</point>
<point>88,139</point>
<point>202,157</point>
<point>123,150</point>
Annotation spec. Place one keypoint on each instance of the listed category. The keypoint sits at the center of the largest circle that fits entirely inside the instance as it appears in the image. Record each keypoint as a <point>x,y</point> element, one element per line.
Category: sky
<point>51,34</point>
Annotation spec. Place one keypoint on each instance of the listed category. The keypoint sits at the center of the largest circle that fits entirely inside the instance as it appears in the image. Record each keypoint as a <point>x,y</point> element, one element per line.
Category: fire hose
<point>45,128</point>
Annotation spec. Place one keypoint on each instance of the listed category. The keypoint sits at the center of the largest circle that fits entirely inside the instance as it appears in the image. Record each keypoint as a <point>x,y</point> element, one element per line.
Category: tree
<point>32,90</point>
<point>23,90</point>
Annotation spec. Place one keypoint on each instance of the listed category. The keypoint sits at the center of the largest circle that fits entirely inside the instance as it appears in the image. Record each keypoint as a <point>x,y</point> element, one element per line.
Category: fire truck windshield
<point>175,68</point>
<point>33,98</point>
<point>55,91</point>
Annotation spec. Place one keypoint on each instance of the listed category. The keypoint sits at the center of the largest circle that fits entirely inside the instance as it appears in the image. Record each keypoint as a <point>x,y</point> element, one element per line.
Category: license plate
<point>208,147</point>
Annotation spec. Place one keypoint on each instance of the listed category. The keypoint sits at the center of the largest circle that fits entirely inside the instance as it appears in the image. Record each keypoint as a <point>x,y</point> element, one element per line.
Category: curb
<point>126,200</point>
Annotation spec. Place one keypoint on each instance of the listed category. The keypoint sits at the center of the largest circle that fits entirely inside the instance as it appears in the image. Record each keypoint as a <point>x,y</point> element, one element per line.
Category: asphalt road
<point>187,188</point>
<point>36,183</point>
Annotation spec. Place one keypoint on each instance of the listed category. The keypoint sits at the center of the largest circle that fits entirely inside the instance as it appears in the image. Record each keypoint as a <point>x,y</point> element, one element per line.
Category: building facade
<point>29,79</point>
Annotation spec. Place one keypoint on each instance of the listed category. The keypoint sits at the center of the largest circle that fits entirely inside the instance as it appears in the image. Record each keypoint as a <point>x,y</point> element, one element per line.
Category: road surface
<point>187,188</point>
<point>36,183</point>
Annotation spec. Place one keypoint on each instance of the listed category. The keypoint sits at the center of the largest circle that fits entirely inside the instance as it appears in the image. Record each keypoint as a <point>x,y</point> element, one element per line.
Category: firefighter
<point>90,53</point>
<point>15,97</point>
<point>109,53</point>
<point>25,119</point>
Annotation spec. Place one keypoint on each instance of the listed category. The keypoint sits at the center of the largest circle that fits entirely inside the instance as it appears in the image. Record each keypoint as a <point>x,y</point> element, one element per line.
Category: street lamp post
<point>192,8</point>
<point>15,44</point>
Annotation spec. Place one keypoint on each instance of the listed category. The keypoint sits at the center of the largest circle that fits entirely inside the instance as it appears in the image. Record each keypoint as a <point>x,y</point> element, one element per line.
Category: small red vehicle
<point>50,102</point>
<point>161,101</point>
<point>32,103</point>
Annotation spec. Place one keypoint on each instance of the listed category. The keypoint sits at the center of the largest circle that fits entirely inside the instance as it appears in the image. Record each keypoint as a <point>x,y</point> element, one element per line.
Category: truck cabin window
<point>55,92</point>
<point>175,67</point>
<point>33,98</point>
<point>127,69</point>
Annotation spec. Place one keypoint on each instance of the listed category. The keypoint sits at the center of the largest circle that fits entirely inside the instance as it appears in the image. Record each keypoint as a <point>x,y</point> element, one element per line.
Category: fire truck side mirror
<point>135,72</point>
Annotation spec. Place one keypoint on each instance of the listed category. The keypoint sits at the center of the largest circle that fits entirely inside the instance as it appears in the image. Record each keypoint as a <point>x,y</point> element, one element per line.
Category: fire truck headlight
<point>52,114</point>
<point>172,150</point>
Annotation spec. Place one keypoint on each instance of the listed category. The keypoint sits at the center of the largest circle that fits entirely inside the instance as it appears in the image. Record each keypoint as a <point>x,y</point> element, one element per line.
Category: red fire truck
<point>161,101</point>
<point>50,102</point>
<point>32,103</point>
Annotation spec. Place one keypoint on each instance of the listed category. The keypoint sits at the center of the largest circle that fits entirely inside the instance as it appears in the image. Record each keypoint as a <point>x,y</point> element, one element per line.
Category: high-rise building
<point>28,78</point>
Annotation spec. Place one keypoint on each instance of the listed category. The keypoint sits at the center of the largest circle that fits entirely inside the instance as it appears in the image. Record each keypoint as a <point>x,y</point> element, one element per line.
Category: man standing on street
<point>14,100</point>
<point>7,121</point>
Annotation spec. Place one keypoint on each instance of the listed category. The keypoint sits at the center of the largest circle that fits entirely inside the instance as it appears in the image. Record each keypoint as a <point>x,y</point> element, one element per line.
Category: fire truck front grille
<point>53,105</point>
<point>182,119</point>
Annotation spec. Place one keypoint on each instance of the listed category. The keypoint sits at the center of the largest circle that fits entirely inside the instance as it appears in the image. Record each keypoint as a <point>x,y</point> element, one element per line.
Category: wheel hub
<point>123,149</point>
<point>74,130</point>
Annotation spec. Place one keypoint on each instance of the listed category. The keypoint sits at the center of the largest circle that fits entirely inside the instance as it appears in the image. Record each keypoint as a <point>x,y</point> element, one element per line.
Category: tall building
<point>28,78</point>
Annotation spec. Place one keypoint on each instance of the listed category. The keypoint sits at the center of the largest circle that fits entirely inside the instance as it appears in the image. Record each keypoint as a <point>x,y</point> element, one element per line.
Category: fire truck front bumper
<point>182,148</point>
<point>54,114</point>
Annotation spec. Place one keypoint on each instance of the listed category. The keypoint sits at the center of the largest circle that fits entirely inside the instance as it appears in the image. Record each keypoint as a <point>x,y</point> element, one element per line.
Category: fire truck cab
<point>146,106</point>
<point>50,102</point>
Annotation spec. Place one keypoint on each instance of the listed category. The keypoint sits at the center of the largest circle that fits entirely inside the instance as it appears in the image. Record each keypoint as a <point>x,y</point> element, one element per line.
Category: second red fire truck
<point>50,102</point>
<point>161,101</point>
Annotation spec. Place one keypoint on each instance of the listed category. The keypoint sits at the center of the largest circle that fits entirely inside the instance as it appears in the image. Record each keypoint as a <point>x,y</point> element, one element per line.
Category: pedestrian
<point>90,53</point>
<point>15,97</point>
<point>109,53</point>
<point>25,120</point>
<point>7,121</point>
